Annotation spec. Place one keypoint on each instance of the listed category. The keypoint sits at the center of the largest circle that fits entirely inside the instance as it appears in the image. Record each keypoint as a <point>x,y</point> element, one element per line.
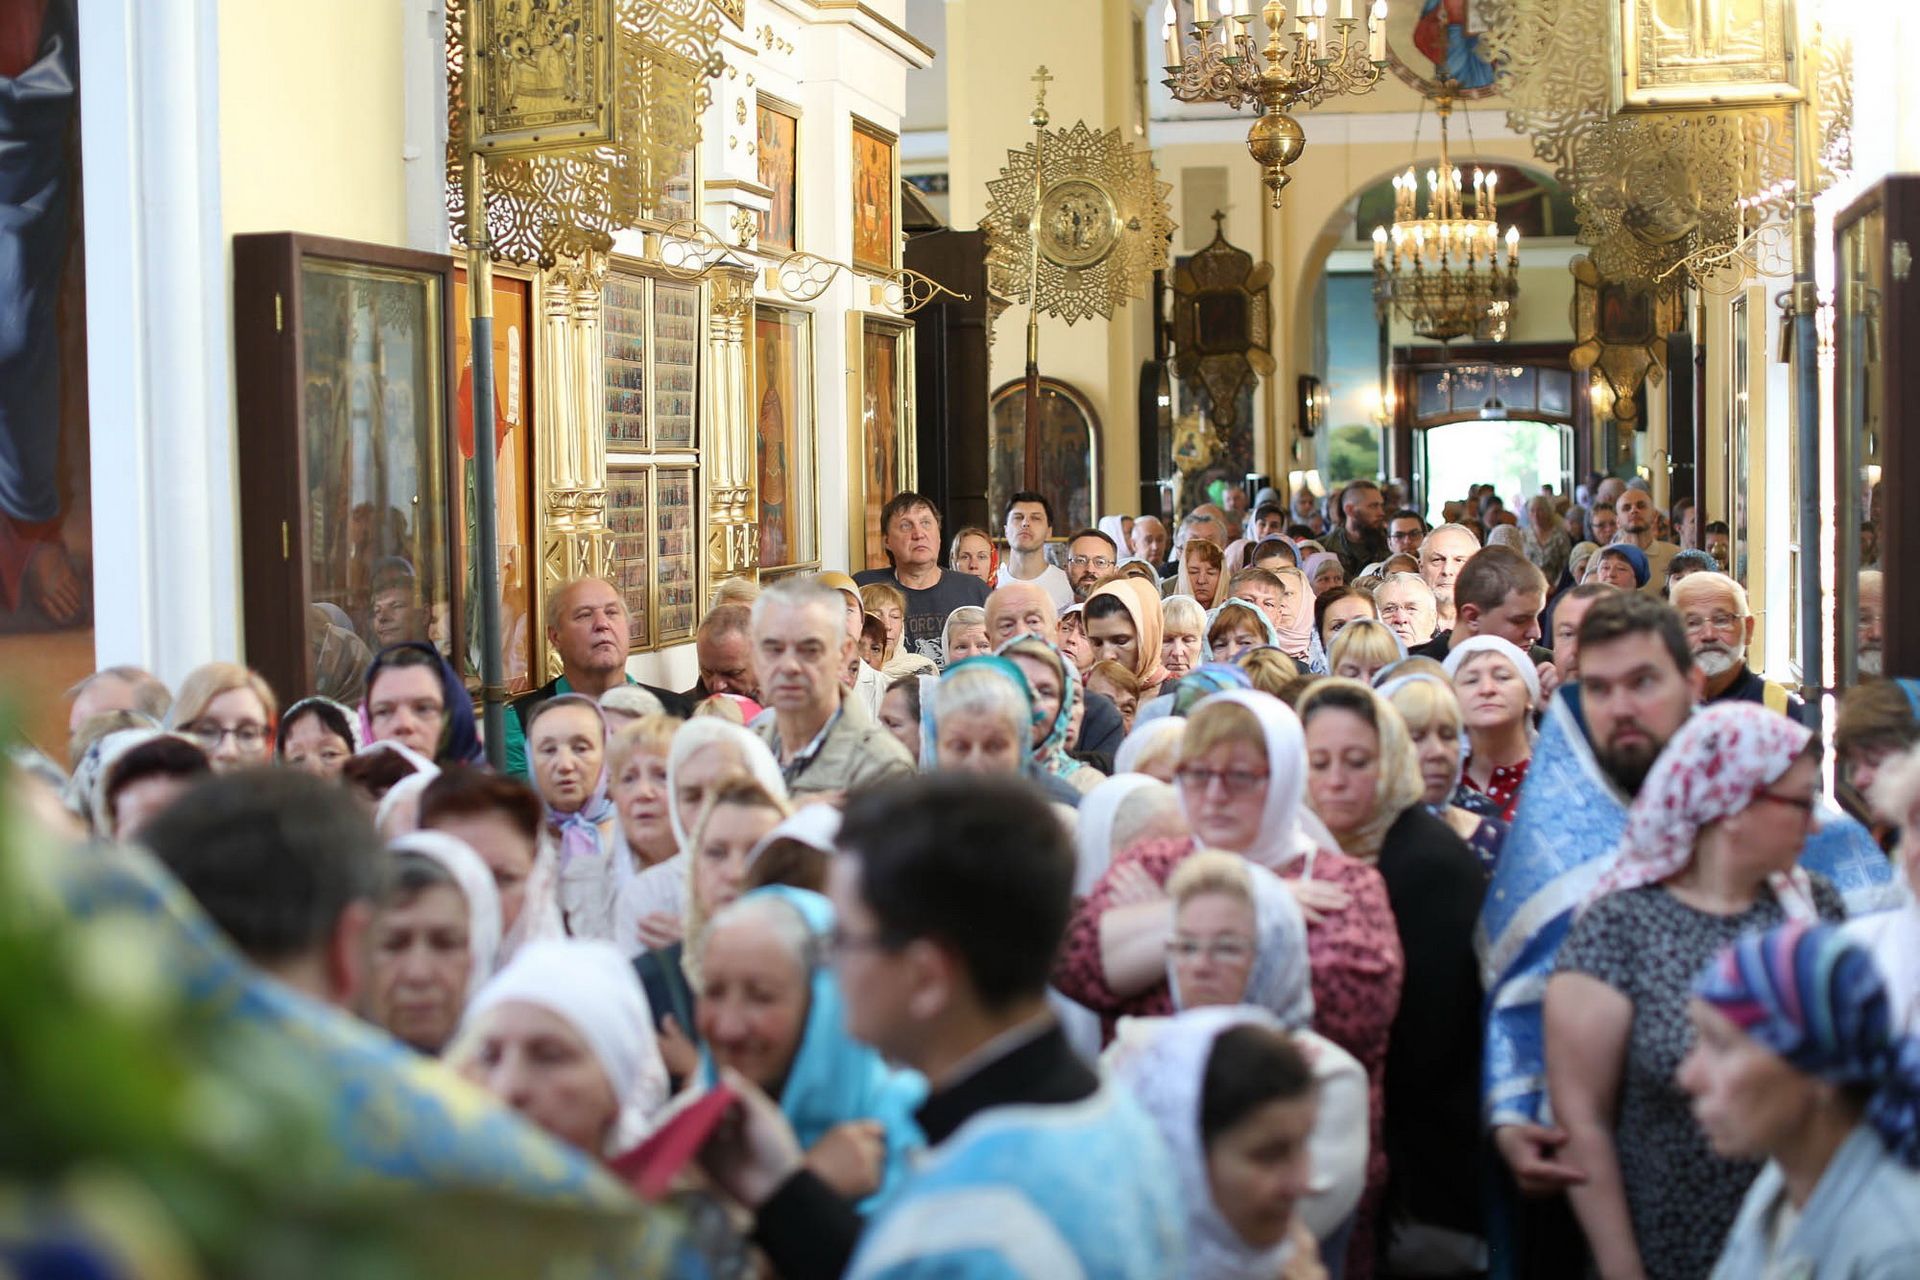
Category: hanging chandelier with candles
<point>1443,271</point>
<point>1323,58</point>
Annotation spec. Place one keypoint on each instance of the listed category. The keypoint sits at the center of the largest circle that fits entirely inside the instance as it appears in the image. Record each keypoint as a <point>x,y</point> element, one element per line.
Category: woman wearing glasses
<point>1710,853</point>
<point>1240,782</point>
<point>229,711</point>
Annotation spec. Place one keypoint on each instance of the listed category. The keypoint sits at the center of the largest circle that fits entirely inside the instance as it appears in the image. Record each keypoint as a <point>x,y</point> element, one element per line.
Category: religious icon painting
<point>1069,449</point>
<point>513,493</point>
<point>783,437</point>
<point>1430,41</point>
<point>876,197</point>
<point>777,146</point>
<point>882,436</point>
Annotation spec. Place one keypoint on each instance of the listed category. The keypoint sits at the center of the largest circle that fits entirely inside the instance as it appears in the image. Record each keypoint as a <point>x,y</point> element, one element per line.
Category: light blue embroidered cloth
<point>1081,1190</point>
<point>1570,818</point>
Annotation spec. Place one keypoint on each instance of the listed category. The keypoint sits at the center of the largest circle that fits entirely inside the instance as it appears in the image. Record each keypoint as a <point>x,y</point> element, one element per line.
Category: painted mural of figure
<point>39,65</point>
<point>1441,34</point>
<point>773,461</point>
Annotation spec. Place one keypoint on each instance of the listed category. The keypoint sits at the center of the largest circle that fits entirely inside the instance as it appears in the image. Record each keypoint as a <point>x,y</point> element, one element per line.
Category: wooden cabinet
<point>343,360</point>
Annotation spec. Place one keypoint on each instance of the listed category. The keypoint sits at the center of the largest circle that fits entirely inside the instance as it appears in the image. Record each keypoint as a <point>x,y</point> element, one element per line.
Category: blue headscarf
<point>459,736</point>
<point>1050,757</point>
<point>1815,998</point>
<point>930,719</point>
<point>834,1078</point>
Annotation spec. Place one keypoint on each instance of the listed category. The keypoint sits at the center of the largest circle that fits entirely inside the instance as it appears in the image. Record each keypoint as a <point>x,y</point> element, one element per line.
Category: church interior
<point>753,266</point>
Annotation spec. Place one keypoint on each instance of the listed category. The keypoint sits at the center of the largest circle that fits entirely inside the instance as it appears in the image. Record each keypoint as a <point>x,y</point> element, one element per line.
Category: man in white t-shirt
<point>1029,524</point>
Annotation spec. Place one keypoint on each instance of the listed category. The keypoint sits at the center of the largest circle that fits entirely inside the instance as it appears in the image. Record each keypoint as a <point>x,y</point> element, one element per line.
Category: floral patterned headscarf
<point>1711,769</point>
<point>1050,756</point>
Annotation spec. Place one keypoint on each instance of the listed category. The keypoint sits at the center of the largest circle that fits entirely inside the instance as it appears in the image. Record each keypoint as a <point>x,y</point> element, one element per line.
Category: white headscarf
<point>1506,649</point>
<point>407,790</point>
<point>815,825</point>
<point>1286,834</point>
<point>1281,980</point>
<point>591,985</point>
<point>1167,1076</point>
<point>1093,832</point>
<point>87,790</point>
<point>457,858</point>
<point>1147,735</point>
<point>707,731</point>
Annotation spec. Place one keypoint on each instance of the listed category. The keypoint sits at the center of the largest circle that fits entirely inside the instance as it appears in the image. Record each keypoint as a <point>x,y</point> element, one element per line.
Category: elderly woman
<point>1125,625</point>
<point>964,635</point>
<point>1118,814</point>
<point>1432,715</point>
<point>563,1036</point>
<point>1364,782</point>
<point>229,711</point>
<point>1235,1102</point>
<point>1362,649</point>
<point>651,907</point>
<point>1116,684</point>
<point>1709,853</point>
<point>1183,642</point>
<point>1498,691</point>
<point>737,815</point>
<point>317,736</point>
<point>1325,572</point>
<point>1202,569</point>
<point>414,697</point>
<point>1240,783</point>
<point>641,793</point>
<point>1236,627</point>
<point>1619,564</point>
<point>1295,623</point>
<point>1797,1060</point>
<point>1054,686</point>
<point>1152,748</point>
<point>771,1010</point>
<point>1544,538</point>
<point>434,938</point>
<point>566,753</point>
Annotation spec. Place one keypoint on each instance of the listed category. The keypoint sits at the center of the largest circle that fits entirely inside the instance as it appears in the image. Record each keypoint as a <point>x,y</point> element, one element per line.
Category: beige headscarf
<point>1400,786</point>
<point>1149,625</point>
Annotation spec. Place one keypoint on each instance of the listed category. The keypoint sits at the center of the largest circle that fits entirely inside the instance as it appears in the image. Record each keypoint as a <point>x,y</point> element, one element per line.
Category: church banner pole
<point>493,691</point>
<point>1039,121</point>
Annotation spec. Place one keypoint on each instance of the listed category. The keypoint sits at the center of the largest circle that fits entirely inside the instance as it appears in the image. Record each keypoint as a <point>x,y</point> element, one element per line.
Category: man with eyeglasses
<point>1091,556</point>
<point>1029,524</point>
<point>1713,608</point>
<point>1405,531</point>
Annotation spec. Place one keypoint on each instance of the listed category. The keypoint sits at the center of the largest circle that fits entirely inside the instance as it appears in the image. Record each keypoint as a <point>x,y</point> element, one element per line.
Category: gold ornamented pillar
<point>728,455</point>
<point>574,541</point>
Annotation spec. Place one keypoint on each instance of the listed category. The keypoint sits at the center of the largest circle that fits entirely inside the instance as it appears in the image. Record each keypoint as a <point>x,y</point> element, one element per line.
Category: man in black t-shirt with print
<point>911,527</point>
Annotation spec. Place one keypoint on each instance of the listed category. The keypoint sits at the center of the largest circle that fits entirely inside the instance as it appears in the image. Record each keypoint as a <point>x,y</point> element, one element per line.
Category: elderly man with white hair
<point>1405,603</point>
<point>1713,608</point>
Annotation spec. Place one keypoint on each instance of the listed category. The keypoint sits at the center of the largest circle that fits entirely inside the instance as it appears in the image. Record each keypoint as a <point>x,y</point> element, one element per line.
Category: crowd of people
<point>1304,891</point>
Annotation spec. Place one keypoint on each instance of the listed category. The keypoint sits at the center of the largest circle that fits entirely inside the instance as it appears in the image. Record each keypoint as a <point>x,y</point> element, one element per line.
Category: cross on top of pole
<point>1040,80</point>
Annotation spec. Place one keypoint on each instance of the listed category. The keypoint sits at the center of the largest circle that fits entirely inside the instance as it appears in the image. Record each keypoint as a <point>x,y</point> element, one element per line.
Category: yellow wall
<point>311,130</point>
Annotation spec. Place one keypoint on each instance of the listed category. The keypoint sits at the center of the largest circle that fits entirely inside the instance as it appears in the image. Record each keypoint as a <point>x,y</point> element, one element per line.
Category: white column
<point>166,583</point>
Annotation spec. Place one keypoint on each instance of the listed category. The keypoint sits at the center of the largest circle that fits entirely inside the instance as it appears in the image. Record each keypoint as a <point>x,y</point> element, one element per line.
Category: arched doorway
<point>1514,455</point>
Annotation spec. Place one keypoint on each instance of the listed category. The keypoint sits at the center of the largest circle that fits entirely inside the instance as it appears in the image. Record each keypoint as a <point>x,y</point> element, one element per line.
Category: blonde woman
<point>1432,715</point>
<point>884,601</point>
<point>1362,648</point>
<point>1183,641</point>
<point>230,711</point>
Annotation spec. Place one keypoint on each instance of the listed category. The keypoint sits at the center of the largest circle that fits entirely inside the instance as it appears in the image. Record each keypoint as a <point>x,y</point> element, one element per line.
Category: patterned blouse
<point>1357,972</point>
<point>1503,788</point>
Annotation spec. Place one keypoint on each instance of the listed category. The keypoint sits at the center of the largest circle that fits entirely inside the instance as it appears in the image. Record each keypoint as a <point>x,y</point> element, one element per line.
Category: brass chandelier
<point>1442,271</point>
<point>1324,58</point>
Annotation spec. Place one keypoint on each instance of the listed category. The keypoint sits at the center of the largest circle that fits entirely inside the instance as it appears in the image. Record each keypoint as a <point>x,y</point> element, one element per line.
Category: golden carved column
<point>571,451</point>
<point>728,457</point>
